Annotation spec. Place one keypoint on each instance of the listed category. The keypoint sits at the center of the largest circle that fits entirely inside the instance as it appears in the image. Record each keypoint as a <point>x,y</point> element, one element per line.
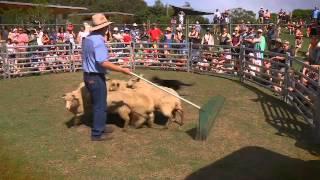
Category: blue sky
<point>273,5</point>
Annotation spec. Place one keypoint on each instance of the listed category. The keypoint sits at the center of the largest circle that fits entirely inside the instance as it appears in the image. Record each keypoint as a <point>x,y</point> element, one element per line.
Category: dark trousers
<point>96,84</point>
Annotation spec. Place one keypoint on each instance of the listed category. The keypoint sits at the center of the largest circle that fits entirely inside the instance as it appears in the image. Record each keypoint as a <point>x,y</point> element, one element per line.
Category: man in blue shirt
<point>95,63</point>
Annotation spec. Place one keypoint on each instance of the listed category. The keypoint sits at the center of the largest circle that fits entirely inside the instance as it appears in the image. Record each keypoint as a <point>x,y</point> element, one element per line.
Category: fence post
<point>132,55</point>
<point>71,59</point>
<point>241,63</point>
<point>6,61</point>
<point>286,79</point>
<point>189,45</point>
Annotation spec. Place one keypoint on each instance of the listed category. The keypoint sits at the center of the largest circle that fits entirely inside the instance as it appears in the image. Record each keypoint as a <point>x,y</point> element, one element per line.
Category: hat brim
<point>100,26</point>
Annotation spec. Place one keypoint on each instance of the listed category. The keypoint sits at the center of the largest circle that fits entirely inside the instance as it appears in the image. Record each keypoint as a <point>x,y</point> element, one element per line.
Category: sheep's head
<point>72,102</point>
<point>132,81</point>
<point>114,85</point>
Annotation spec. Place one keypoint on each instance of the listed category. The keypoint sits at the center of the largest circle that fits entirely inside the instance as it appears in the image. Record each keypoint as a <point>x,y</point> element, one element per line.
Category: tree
<point>304,14</point>
<point>239,14</point>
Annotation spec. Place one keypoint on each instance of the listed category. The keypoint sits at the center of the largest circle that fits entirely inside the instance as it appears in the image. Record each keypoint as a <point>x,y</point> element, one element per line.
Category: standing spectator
<point>179,35</point>
<point>225,37</point>
<point>39,36</point>
<point>243,27</point>
<point>315,14</point>
<point>69,37</point>
<point>117,37</point>
<point>127,39</point>
<point>155,34</point>
<point>61,34</point>
<point>82,34</point>
<point>266,17</point>
<point>261,15</point>
<point>281,15</point>
<point>270,35</point>
<point>108,36</point>
<point>13,34</point>
<point>194,36</point>
<point>312,46</point>
<point>168,39</point>
<point>32,39</point>
<point>144,36</point>
<point>208,38</point>
<point>198,27</point>
<point>4,33</point>
<point>259,43</point>
<point>235,40</point>
<point>299,40</point>
<point>22,41</point>
<point>135,33</point>
<point>287,51</point>
<point>216,21</point>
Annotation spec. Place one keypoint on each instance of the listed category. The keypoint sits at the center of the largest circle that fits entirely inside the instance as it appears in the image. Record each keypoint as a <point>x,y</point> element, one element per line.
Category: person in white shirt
<point>181,17</point>
<point>82,34</point>
<point>39,37</point>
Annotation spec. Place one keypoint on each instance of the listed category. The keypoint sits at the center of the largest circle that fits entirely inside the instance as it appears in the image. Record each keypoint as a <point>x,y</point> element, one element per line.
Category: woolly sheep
<point>167,104</point>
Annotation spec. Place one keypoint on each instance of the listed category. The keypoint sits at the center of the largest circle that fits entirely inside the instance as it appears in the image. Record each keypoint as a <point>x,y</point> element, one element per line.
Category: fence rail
<point>295,81</point>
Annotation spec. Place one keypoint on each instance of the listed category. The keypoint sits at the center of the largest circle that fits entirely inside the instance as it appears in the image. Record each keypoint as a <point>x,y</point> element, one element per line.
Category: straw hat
<point>179,29</point>
<point>135,25</point>
<point>260,30</point>
<point>99,21</point>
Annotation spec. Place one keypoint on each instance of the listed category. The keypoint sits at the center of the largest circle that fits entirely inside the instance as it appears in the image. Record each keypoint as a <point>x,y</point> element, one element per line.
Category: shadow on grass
<point>283,117</point>
<point>113,119</point>
<point>258,163</point>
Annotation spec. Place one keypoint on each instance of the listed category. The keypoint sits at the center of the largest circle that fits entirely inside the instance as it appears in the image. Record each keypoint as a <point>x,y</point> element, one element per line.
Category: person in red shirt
<point>155,34</point>
<point>127,37</point>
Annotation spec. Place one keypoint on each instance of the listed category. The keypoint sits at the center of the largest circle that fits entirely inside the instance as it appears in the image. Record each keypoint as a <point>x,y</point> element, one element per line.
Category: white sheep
<point>167,104</point>
<point>78,102</point>
<point>131,106</point>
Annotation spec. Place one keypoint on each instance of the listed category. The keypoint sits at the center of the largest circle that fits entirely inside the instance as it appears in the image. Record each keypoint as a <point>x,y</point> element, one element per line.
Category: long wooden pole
<point>153,84</point>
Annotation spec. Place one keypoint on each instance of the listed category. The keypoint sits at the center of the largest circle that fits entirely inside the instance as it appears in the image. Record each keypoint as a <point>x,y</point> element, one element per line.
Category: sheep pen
<point>254,130</point>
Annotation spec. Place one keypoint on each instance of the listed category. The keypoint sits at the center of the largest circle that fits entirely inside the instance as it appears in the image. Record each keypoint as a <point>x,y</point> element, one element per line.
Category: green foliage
<point>239,14</point>
<point>301,14</point>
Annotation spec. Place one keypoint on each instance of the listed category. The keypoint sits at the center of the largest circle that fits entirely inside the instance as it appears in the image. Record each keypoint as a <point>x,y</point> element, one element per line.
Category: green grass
<point>35,142</point>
